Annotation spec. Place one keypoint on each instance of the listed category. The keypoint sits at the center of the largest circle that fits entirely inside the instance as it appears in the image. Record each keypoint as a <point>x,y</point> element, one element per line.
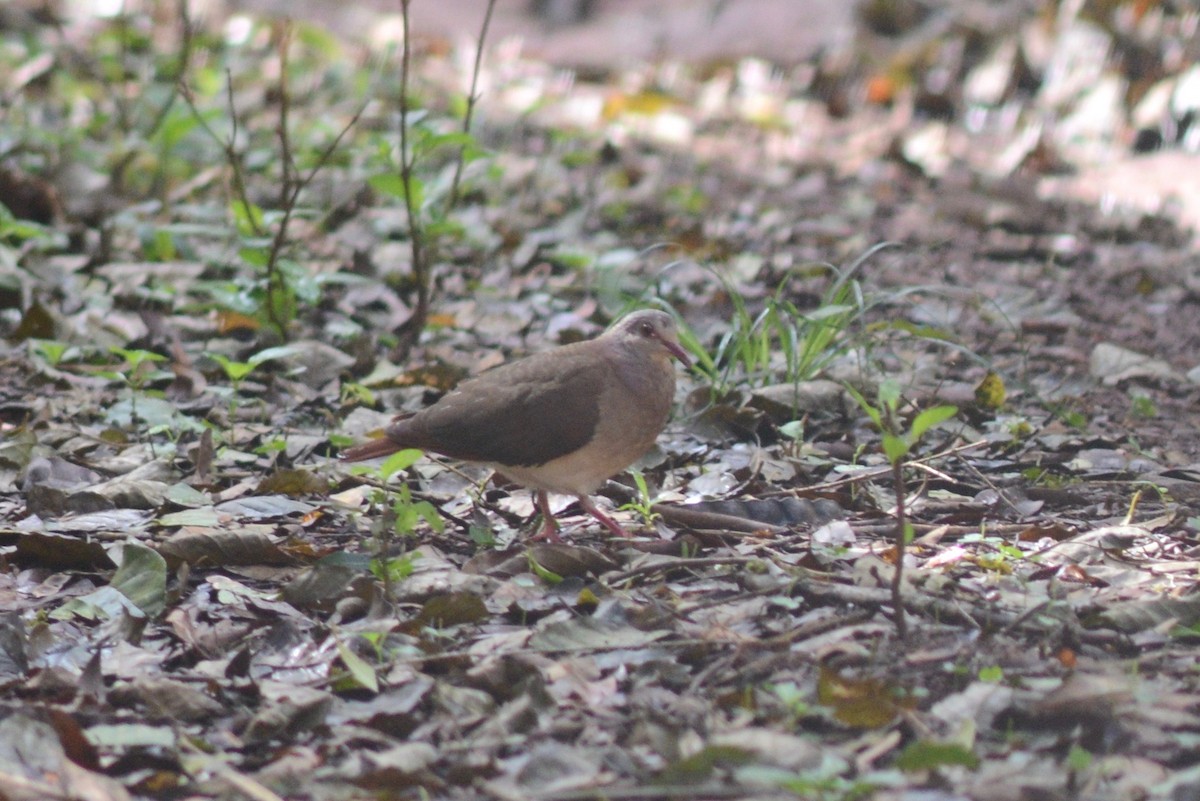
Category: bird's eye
<point>646,330</point>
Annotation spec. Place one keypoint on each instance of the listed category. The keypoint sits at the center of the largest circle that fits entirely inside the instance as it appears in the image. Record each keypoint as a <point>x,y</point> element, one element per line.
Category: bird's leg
<point>549,531</point>
<point>608,522</point>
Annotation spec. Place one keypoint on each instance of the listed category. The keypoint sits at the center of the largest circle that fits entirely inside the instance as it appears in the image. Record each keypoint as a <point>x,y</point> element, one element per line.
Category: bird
<point>563,420</point>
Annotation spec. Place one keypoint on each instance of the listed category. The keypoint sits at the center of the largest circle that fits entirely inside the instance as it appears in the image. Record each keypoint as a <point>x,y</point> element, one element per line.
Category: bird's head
<point>652,331</point>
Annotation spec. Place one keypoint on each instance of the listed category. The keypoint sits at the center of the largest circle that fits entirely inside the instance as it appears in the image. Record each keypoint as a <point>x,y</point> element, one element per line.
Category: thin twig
<point>677,564</point>
<point>187,37</point>
<point>416,234</point>
<point>901,546</point>
<point>228,144</point>
<point>1000,493</point>
<point>241,783</point>
<point>472,98</point>
<point>933,471</point>
<point>276,285</point>
<point>876,472</point>
<point>292,183</point>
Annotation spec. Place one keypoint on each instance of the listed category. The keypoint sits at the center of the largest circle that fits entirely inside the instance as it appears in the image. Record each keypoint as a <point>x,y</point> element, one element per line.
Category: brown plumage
<point>560,421</point>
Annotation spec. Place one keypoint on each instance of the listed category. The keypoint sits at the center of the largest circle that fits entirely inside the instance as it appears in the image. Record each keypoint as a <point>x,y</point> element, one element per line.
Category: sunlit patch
<point>108,8</point>
<point>238,29</point>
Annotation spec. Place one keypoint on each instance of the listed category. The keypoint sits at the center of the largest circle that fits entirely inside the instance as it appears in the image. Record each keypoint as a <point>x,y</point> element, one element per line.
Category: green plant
<point>135,372</point>
<point>482,536</point>
<point>1143,407</point>
<point>897,443</point>
<point>359,672</point>
<point>281,284</point>
<point>992,674</point>
<point>793,432</point>
<point>51,351</point>
<point>1079,759</point>
<point>1070,417</point>
<point>237,371</point>
<point>793,698</point>
<point>831,789</point>
<point>930,755</point>
<point>356,394</point>
<point>401,516</point>
<point>545,574</point>
<point>272,446</point>
<point>392,570</point>
<point>17,235</point>
<point>805,341</point>
<point>427,204</point>
<point>643,504</point>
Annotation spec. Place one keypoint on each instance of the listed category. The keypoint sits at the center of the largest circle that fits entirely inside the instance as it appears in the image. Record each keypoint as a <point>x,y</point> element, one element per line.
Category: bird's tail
<point>381,446</point>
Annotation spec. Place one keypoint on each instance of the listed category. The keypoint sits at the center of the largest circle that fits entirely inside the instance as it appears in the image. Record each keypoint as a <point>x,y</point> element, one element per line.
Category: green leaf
<point>175,127</point>
<point>400,460</point>
<point>160,246</point>
<point>186,495</point>
<point>391,183</point>
<point>889,393</point>
<point>255,256</point>
<point>279,352</point>
<point>362,672</point>
<point>1010,551</point>
<point>930,418</point>
<point>52,351</point>
<point>1079,759</point>
<point>387,183</point>
<point>129,735</point>
<point>444,228</point>
<point>991,675</point>
<point>548,576</point>
<point>699,767</point>
<point>452,609</point>
<point>234,371</point>
<point>430,514</point>
<point>248,217</point>
<point>142,578</point>
<point>690,343</point>
<point>300,281</point>
<point>894,448</point>
<point>319,39</point>
<point>457,139</point>
<point>205,516</point>
<point>926,755</point>
<point>136,357</point>
<point>871,411</point>
<point>793,430</point>
<point>104,603</point>
<point>831,310</point>
<point>396,569</point>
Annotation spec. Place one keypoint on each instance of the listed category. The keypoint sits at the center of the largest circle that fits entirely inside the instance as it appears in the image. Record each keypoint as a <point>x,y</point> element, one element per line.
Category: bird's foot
<point>549,531</point>
<point>609,523</point>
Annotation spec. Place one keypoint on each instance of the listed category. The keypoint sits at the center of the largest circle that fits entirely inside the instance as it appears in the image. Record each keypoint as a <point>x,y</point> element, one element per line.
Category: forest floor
<point>207,282</point>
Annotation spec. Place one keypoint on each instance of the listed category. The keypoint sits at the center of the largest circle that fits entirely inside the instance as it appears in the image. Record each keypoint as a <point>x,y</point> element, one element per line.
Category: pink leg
<point>608,522</point>
<point>549,531</point>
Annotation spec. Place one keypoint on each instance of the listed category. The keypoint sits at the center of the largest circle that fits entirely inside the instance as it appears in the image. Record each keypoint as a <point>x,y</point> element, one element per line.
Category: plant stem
<point>412,327</point>
<point>901,546</point>
<point>276,285</point>
<point>472,97</point>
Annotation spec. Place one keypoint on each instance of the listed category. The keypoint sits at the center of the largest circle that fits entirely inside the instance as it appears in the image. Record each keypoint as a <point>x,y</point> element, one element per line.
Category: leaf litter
<point>210,619</point>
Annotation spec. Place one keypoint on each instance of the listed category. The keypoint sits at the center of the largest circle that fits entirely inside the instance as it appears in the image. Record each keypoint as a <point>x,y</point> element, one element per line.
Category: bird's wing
<point>521,414</point>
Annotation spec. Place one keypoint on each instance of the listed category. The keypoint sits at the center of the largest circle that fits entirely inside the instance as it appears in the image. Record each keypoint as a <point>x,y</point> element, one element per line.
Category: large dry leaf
<point>223,547</point>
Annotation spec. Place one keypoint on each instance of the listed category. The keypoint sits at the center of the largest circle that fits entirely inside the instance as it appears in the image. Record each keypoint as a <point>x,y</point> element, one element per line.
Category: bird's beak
<point>677,351</point>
